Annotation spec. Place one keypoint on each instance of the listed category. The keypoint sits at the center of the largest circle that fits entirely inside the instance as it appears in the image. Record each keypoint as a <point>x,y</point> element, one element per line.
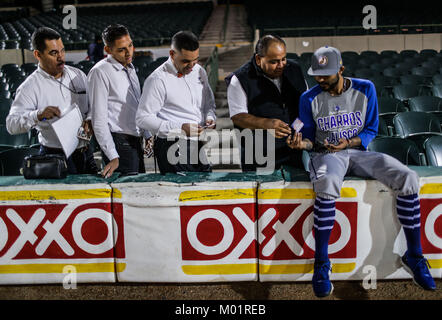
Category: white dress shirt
<point>169,101</point>
<point>114,93</point>
<point>41,90</point>
<point>237,98</point>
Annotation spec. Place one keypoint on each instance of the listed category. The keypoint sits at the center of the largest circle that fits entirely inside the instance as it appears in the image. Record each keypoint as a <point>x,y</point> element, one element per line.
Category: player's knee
<point>409,184</point>
<point>328,187</point>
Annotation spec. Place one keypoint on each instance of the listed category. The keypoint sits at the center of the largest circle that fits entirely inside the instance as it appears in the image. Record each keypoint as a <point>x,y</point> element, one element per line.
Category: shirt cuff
<point>34,115</point>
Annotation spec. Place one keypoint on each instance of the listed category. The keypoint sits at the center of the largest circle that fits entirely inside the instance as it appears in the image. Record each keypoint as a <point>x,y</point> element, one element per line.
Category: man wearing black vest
<point>264,94</point>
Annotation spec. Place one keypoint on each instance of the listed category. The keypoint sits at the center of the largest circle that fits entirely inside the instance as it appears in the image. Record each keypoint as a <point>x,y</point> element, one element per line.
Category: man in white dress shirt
<point>177,97</point>
<point>114,93</point>
<point>47,94</point>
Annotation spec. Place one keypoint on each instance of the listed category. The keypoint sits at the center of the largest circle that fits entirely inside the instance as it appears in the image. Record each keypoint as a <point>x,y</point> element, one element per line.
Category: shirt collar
<point>47,75</point>
<point>171,68</point>
<point>118,66</point>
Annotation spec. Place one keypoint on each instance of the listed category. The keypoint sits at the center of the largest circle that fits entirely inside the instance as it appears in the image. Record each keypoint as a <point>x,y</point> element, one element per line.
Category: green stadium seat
<point>437,79</point>
<point>12,141</point>
<point>388,107</point>
<point>437,90</point>
<point>383,128</point>
<point>426,53</point>
<point>408,53</point>
<point>5,95</point>
<point>404,92</point>
<point>427,104</point>
<point>394,72</point>
<point>366,73</point>
<point>415,80</point>
<point>421,71</point>
<point>433,151</point>
<point>12,160</point>
<point>416,126</point>
<point>403,150</point>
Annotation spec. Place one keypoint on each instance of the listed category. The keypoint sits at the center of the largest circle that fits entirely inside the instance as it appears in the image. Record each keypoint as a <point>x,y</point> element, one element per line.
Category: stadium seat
<point>421,71</point>
<point>5,95</point>
<point>427,53</point>
<point>311,82</point>
<point>427,104</point>
<point>430,65</point>
<point>437,90</point>
<point>12,160</point>
<point>365,73</point>
<point>12,141</point>
<point>433,151</point>
<point>382,128</point>
<point>388,107</point>
<point>384,85</point>
<point>437,79</point>
<point>292,55</point>
<point>416,126</point>
<point>404,92</point>
<point>28,68</point>
<point>415,80</point>
<point>5,104</point>
<point>408,53</point>
<point>394,72</point>
<point>403,150</point>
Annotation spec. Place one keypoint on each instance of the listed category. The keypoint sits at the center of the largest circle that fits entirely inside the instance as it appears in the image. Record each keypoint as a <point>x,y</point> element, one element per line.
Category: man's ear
<point>341,70</point>
<point>172,53</point>
<point>107,49</point>
<point>37,55</point>
<point>258,60</point>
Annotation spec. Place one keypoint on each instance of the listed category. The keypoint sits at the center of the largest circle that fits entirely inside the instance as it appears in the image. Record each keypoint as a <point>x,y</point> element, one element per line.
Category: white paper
<point>66,129</point>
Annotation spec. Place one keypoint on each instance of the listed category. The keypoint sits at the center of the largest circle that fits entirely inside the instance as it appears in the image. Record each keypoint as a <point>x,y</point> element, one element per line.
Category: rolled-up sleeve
<point>151,102</point>
<point>98,99</point>
<point>22,116</point>
<point>236,97</point>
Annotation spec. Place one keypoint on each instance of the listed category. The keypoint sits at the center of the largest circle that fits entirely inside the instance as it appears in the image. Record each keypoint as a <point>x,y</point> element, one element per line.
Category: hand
<point>110,168</point>
<point>343,144</point>
<point>298,143</point>
<point>148,147</point>
<point>210,124</point>
<point>192,129</point>
<point>48,113</point>
<point>281,128</point>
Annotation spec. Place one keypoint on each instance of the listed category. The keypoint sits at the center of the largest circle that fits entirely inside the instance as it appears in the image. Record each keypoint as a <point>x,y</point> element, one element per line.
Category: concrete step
<point>222,112</point>
<point>222,94</point>
<point>224,123</point>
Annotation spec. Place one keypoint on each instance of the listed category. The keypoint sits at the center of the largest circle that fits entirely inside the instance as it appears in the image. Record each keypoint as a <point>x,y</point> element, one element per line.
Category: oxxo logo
<point>61,231</point>
<point>218,231</point>
<point>286,231</point>
<point>431,225</point>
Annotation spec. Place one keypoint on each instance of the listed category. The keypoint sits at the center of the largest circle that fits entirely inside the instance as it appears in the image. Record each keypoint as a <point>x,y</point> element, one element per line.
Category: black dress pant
<point>186,161</point>
<point>130,151</point>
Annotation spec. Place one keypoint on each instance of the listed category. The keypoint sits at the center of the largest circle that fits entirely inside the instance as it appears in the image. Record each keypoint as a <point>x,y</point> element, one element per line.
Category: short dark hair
<point>113,32</point>
<point>185,40</point>
<point>41,35</point>
<point>264,43</point>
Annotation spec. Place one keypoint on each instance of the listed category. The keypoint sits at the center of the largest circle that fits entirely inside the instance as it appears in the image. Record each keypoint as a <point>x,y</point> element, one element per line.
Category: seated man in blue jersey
<point>340,117</point>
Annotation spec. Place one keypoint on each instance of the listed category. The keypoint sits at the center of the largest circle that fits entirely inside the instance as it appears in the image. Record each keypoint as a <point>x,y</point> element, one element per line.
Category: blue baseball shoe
<point>418,267</point>
<point>322,286</point>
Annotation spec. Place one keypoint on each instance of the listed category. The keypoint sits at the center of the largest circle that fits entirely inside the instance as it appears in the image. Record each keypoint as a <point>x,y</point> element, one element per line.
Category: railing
<point>338,30</point>
<point>211,67</point>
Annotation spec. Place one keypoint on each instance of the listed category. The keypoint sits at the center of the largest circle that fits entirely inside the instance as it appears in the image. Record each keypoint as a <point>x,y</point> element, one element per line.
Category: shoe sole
<point>329,293</point>
<point>407,268</point>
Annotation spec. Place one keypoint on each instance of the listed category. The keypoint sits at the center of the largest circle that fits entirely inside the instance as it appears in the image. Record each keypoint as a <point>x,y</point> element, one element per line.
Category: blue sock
<point>324,219</point>
<point>408,211</point>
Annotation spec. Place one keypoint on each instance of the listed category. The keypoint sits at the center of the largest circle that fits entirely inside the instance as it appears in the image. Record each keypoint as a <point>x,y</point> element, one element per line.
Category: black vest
<point>266,101</point>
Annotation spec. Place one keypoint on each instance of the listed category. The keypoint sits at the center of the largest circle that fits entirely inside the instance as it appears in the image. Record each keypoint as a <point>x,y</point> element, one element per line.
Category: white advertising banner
<point>366,241</point>
<point>57,233</point>
<point>201,232</point>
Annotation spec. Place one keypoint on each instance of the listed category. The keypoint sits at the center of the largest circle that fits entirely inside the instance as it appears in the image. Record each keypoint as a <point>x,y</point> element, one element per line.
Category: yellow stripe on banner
<point>435,263</point>
<point>431,188</point>
<point>116,193</point>
<point>220,269</point>
<point>267,194</point>
<point>58,268</point>
<point>54,194</point>
<point>217,195</point>
<point>302,268</point>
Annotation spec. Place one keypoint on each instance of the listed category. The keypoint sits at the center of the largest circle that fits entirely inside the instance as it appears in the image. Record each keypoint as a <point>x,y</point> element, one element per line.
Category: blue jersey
<point>353,113</point>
